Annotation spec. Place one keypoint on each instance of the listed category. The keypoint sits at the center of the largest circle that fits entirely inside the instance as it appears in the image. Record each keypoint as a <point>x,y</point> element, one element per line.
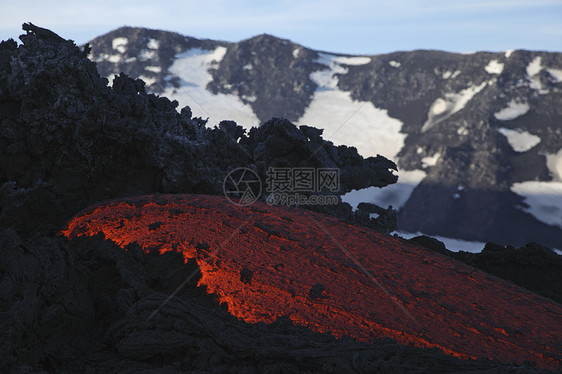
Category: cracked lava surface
<point>269,261</point>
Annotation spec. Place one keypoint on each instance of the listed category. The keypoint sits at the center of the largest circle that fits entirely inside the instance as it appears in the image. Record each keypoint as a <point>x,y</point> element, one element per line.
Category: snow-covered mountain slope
<point>477,137</point>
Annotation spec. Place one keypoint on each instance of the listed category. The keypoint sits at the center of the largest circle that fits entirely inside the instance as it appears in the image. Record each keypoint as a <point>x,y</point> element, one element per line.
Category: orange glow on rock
<point>267,261</point>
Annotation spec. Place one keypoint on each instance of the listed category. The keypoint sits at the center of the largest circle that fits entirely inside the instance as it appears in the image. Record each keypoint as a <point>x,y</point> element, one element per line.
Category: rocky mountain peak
<point>474,135</point>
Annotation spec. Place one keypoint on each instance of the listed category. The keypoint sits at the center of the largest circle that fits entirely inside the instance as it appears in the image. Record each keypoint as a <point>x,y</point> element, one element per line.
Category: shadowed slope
<point>266,262</point>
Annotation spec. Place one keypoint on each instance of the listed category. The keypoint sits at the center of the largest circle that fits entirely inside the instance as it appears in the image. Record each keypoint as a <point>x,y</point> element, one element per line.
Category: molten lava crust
<point>267,261</point>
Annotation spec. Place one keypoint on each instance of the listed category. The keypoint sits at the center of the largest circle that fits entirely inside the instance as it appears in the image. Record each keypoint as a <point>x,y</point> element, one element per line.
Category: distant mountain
<point>477,137</point>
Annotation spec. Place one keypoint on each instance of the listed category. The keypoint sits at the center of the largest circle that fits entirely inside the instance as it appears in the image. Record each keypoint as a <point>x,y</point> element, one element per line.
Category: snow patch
<point>154,69</point>
<point>192,69</point>
<point>153,44</point>
<point>250,99</point>
<point>345,121</point>
<point>193,65</point>
<point>442,109</point>
<point>120,44</point>
<point>326,78</point>
<point>358,60</point>
<point>430,160</point>
<point>513,110</point>
<point>519,140</point>
<point>114,58</point>
<point>395,64</point>
<point>438,107</point>
<point>494,67</point>
<point>146,54</point>
<point>451,74</point>
<point>508,53</point>
<point>105,57</point>
<point>148,80</point>
<point>534,66</point>
<point>395,194</point>
<point>544,200</point>
<point>533,69</point>
<point>452,244</point>
<point>554,165</point>
<point>247,67</point>
<point>360,124</point>
<point>296,52</point>
<point>556,74</point>
<point>110,78</point>
<point>462,131</point>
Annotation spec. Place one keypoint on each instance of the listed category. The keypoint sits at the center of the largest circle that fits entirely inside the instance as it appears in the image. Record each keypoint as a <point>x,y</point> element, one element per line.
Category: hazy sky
<point>349,26</point>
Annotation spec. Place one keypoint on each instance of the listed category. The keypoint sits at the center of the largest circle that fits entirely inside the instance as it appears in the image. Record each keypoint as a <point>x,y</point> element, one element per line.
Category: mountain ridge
<point>449,121</point>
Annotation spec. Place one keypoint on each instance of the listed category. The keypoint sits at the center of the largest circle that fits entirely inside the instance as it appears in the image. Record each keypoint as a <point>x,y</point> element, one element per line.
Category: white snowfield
<point>153,44</point>
<point>534,66</point>
<point>430,160</point>
<point>192,68</point>
<point>533,69</point>
<point>544,199</point>
<point>120,44</point>
<point>513,110</point>
<point>494,67</point>
<point>154,69</point>
<point>296,52</point>
<point>149,81</point>
<point>451,74</point>
<point>556,74</point>
<point>451,244</point>
<point>395,194</point>
<point>520,140</point>
<point>554,164</point>
<point>443,108</point>
<point>345,121</point>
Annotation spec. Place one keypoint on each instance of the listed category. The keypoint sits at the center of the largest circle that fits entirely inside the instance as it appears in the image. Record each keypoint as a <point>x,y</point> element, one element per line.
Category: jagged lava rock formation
<point>68,140</point>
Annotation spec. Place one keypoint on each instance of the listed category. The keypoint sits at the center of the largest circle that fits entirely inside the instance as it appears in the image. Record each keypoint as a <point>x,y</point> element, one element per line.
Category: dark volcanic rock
<point>430,243</point>
<point>87,305</point>
<point>67,140</point>
<point>532,266</point>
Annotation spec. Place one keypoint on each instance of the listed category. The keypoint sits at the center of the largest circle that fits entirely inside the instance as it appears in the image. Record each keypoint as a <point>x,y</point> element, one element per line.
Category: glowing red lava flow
<point>268,261</point>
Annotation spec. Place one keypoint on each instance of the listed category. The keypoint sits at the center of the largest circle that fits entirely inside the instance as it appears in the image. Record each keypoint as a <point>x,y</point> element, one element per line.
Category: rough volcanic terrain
<point>69,141</point>
<point>267,262</point>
